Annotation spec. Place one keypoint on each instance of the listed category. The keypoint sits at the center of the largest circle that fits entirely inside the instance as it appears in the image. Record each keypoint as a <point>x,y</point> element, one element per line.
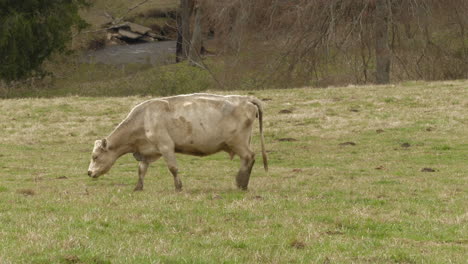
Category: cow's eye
<point>95,157</point>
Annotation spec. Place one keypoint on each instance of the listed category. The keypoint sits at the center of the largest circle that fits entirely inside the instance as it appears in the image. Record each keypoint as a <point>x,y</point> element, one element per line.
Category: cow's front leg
<point>177,181</point>
<point>142,168</point>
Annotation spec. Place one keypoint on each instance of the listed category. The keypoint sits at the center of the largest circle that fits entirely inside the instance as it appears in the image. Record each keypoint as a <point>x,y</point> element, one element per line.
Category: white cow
<point>195,124</point>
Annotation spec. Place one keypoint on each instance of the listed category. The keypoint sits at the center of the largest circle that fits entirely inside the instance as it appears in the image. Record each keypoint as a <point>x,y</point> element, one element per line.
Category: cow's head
<point>102,159</point>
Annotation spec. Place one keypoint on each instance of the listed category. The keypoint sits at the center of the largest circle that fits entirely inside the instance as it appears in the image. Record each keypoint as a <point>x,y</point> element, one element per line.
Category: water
<point>154,53</point>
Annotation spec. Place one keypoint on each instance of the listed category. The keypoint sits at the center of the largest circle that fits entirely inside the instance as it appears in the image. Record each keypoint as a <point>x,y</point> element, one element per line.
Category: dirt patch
<point>332,233</point>
<point>301,124</point>
<point>298,244</point>
<point>71,259</point>
<point>286,111</point>
<point>405,145</point>
<point>287,139</point>
<point>216,197</point>
<point>26,192</point>
<point>428,170</point>
<point>348,143</point>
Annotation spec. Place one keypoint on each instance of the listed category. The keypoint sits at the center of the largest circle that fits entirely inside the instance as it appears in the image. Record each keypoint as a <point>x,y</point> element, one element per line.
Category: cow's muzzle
<point>90,174</point>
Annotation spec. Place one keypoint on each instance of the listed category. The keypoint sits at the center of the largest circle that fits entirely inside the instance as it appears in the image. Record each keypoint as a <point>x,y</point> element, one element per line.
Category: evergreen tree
<point>31,30</point>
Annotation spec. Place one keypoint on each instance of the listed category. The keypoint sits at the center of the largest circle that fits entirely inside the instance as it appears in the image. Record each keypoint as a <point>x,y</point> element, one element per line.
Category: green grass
<point>321,202</point>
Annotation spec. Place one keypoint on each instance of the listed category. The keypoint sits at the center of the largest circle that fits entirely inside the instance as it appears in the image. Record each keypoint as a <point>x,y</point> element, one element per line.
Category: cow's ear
<point>104,143</point>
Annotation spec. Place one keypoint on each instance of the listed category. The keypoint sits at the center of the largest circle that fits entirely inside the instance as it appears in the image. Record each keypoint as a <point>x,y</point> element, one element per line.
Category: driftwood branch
<point>111,17</point>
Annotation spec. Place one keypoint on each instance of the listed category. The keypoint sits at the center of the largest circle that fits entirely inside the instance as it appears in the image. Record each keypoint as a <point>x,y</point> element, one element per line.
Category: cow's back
<point>201,124</point>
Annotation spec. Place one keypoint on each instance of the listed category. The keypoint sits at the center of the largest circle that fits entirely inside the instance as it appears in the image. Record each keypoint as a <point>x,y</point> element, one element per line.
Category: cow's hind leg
<point>170,158</point>
<point>247,161</point>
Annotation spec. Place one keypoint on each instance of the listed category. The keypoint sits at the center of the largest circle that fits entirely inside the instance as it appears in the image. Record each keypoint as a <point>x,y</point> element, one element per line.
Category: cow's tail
<point>258,104</point>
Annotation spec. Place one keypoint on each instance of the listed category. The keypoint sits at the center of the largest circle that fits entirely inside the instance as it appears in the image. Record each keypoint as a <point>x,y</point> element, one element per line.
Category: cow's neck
<point>120,140</point>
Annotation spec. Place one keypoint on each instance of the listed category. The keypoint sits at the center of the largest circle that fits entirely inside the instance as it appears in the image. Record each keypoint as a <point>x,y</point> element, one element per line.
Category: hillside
<point>95,14</point>
<point>362,174</point>
<point>255,45</point>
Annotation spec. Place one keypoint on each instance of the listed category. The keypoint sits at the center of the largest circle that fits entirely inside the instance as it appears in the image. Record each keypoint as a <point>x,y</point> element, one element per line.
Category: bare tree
<point>332,42</point>
<point>183,32</point>
<point>382,50</point>
<point>196,43</point>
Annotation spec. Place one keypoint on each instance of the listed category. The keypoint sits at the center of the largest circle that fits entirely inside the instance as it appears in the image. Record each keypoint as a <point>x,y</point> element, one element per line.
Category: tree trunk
<point>179,49</point>
<point>382,51</point>
<point>196,47</point>
<point>186,7</point>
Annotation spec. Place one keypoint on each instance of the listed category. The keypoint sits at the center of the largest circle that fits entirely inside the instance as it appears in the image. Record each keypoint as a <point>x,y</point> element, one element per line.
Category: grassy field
<point>365,174</point>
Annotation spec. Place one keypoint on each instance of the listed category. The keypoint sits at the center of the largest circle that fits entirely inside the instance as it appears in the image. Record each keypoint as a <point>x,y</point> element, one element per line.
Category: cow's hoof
<point>138,189</point>
<point>243,188</point>
<point>178,189</point>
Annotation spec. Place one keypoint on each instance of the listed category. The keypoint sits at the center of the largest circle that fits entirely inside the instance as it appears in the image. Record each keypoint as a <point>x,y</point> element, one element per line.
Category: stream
<point>154,53</point>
